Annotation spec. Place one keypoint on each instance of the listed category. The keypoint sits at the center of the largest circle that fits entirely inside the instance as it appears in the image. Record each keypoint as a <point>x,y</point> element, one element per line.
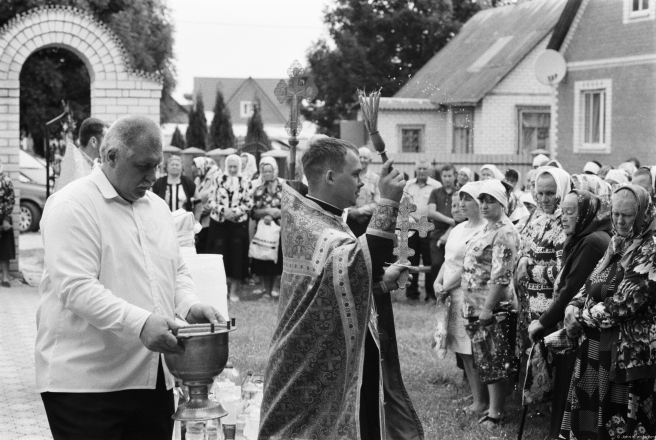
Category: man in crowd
<point>78,163</point>
<point>336,328</point>
<point>113,282</point>
<point>420,189</point>
<point>439,211</point>
<point>360,215</point>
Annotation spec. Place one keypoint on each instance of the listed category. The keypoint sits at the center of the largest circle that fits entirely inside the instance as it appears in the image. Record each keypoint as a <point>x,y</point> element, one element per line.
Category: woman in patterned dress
<point>206,173</point>
<point>228,234</point>
<point>448,282</point>
<point>614,316</point>
<point>7,245</point>
<point>488,270</point>
<point>266,206</point>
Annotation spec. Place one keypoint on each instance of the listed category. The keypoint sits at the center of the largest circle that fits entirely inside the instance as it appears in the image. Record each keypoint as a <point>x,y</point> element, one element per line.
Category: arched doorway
<point>115,88</point>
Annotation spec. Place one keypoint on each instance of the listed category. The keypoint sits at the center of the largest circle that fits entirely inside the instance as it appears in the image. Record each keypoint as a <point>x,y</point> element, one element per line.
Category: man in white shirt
<point>359,216</point>
<point>112,285</point>
<point>420,189</point>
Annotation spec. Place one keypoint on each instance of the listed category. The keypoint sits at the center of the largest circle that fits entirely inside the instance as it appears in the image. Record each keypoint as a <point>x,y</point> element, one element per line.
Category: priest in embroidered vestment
<point>325,377</point>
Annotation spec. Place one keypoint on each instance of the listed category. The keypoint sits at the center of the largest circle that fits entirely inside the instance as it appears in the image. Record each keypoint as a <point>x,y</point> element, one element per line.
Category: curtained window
<point>412,139</point>
<point>594,117</point>
<point>534,125</point>
<point>463,130</point>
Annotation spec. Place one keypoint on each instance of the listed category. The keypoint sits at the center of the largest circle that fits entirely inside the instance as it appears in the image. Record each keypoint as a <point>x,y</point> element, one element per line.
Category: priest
<point>333,369</point>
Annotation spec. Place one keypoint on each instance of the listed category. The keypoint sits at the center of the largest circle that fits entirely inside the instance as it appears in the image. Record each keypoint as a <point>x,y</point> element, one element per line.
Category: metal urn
<point>204,357</point>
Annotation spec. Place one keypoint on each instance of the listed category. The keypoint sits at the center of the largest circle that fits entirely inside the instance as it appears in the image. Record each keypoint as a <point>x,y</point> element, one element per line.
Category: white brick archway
<point>116,88</point>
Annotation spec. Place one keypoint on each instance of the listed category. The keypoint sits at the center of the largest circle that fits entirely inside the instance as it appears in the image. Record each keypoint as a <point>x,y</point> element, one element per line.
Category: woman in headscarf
<point>465,175</point>
<point>176,189</point>
<point>448,283</point>
<point>612,393</point>
<point>616,178</point>
<point>228,234</point>
<point>595,184</point>
<point>7,245</point>
<point>487,274</point>
<point>644,177</point>
<point>490,171</point>
<point>266,207</point>
<point>586,223</point>
<point>206,174</point>
<point>248,166</point>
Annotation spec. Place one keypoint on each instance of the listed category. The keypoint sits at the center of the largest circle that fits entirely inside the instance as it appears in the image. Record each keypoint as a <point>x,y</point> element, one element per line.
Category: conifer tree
<point>221,135</point>
<point>197,131</point>
<point>178,140</point>
<point>255,128</point>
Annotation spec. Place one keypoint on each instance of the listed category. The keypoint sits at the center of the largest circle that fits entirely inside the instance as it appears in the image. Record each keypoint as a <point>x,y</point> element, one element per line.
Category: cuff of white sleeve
<point>135,318</point>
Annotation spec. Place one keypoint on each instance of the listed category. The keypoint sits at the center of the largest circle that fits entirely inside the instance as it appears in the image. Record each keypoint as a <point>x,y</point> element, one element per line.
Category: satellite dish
<point>550,67</point>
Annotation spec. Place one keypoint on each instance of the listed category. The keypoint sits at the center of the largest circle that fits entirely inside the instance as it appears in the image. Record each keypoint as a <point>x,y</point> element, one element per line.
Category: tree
<point>221,135</point>
<point>255,128</point>
<point>378,43</point>
<point>197,130</point>
<point>54,74</point>
<point>178,140</point>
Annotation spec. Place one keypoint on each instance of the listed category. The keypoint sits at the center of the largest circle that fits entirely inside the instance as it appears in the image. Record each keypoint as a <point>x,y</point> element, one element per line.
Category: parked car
<point>32,184</point>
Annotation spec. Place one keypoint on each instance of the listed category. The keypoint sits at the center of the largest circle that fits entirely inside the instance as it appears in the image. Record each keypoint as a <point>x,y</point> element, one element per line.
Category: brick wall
<point>116,89</point>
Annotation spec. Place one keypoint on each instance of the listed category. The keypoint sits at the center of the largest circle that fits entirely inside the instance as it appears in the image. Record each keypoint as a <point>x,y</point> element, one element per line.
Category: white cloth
<point>561,177</point>
<point>591,167</point>
<point>495,189</point>
<point>109,264</point>
<point>540,160</point>
<point>74,165</point>
<point>421,194</point>
<point>495,171</point>
<point>454,257</point>
<point>473,189</point>
<point>617,176</point>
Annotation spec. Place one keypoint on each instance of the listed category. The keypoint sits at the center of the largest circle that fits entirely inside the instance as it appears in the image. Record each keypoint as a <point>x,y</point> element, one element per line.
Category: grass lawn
<point>434,385</point>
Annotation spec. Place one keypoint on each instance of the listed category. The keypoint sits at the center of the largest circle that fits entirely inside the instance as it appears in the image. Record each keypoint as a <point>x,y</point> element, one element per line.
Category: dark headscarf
<point>643,227</point>
<point>593,215</point>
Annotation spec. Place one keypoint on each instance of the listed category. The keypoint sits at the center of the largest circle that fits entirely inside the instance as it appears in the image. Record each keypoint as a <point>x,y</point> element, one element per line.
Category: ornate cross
<point>296,90</point>
<point>402,250</point>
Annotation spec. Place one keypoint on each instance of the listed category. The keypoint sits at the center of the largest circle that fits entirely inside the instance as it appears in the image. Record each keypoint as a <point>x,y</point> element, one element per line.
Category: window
<point>246,109</point>
<point>463,130</point>
<point>592,116</point>
<point>533,129</point>
<point>639,10</point>
<point>412,139</point>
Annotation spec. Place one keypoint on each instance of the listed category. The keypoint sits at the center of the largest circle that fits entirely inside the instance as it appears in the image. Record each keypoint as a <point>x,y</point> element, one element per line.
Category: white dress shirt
<point>421,193</point>
<point>109,264</point>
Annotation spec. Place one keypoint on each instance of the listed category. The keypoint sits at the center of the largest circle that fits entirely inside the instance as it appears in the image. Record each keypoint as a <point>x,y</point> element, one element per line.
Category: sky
<point>242,38</point>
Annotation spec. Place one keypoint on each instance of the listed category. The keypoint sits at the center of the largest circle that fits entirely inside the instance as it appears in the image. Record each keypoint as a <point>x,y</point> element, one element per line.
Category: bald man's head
<point>365,157</point>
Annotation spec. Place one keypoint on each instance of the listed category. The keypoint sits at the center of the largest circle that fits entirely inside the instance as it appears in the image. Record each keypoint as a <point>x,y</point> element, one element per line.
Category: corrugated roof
<point>485,50</point>
<point>406,104</point>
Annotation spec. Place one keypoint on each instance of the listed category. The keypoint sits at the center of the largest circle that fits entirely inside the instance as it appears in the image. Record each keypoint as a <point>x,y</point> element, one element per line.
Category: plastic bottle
<point>195,431</point>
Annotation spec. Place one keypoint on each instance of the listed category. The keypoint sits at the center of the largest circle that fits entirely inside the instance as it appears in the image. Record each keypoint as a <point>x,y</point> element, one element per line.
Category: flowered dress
<point>7,199</point>
<point>490,259</point>
<point>264,198</point>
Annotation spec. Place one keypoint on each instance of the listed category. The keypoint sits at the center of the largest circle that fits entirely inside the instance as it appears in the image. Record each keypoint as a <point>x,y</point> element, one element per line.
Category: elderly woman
<point>489,171</point>
<point>617,178</point>
<point>266,206</point>
<point>595,184</point>
<point>206,174</point>
<point>465,175</point>
<point>487,274</point>
<point>448,283</point>
<point>228,234</point>
<point>612,392</point>
<point>7,245</point>
<point>248,166</point>
<point>586,223</point>
<point>176,190</point>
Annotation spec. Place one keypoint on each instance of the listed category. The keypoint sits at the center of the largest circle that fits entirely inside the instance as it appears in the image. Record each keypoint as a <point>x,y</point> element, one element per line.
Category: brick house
<point>606,105</point>
<point>478,100</point>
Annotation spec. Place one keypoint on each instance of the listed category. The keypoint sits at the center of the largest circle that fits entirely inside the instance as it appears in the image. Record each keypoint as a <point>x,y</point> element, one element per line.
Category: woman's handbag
<point>265,242</point>
<point>493,347</point>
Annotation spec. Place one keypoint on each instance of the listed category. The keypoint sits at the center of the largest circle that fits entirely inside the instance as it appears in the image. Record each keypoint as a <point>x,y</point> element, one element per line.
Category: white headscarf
<point>233,158</point>
<point>467,171</point>
<point>495,189</point>
<point>473,189</point>
<point>561,177</point>
<point>495,171</point>
<point>618,176</point>
<point>540,160</point>
<point>629,167</point>
<point>591,167</point>
<point>251,166</point>
<point>267,160</point>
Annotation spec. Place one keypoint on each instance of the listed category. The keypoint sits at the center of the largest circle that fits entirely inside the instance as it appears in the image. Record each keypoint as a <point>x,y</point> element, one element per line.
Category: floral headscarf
<point>593,214</point>
<point>593,183</point>
<point>204,165</point>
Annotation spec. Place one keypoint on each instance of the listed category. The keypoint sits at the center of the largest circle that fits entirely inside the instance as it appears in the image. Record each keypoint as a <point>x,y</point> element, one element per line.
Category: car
<point>32,185</point>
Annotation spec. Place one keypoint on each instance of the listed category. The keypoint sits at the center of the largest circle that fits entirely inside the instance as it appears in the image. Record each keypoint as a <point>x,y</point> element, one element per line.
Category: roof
<point>230,86</point>
<point>406,104</point>
<point>485,50</point>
